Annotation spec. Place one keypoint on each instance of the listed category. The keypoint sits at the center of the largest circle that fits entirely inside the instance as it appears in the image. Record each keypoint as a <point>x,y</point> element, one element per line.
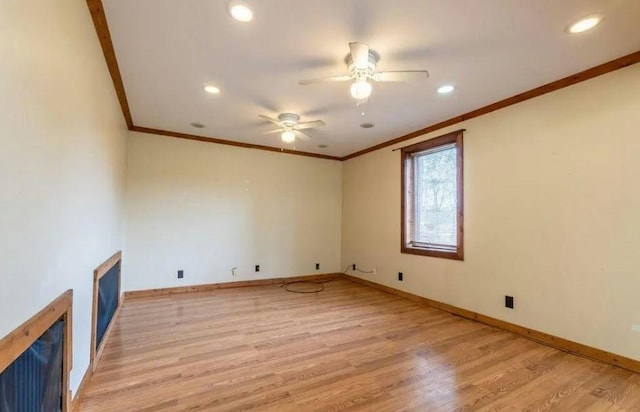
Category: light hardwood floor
<point>348,348</point>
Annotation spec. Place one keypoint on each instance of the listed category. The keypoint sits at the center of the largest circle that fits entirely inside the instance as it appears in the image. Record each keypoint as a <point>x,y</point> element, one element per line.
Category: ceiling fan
<point>361,64</point>
<point>290,127</point>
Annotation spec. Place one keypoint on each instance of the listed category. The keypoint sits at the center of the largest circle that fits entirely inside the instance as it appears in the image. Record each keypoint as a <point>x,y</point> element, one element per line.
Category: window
<point>432,200</point>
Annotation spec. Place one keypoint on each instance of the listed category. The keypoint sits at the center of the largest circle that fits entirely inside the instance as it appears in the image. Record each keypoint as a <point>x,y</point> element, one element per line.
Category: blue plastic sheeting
<point>33,382</point>
<point>108,290</point>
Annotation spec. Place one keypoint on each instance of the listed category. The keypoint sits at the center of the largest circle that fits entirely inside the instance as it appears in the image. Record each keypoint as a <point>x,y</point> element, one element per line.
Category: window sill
<point>457,255</point>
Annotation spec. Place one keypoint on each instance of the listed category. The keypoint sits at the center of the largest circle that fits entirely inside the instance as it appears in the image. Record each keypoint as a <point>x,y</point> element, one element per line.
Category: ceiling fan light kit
<point>361,89</point>
<point>288,136</point>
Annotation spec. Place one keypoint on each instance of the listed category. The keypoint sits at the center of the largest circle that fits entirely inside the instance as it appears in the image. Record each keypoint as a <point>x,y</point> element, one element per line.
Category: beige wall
<point>207,208</point>
<point>552,216</point>
<point>62,163</point>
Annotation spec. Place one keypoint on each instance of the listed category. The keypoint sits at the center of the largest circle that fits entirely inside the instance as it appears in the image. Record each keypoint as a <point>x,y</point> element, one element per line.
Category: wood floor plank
<point>350,347</point>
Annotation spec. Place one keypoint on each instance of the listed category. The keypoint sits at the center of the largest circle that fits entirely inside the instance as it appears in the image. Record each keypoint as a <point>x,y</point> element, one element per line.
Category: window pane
<point>436,197</point>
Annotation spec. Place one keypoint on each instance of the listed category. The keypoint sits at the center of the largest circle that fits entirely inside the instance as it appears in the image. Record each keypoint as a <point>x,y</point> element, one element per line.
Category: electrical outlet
<point>508,302</point>
<point>257,268</point>
<point>353,266</point>
<point>317,266</point>
<point>373,271</point>
<point>233,271</point>
<point>180,274</point>
<point>635,328</point>
<point>400,277</point>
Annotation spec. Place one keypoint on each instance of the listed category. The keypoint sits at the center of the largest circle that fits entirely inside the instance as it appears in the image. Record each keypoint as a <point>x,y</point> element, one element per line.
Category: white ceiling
<point>490,49</point>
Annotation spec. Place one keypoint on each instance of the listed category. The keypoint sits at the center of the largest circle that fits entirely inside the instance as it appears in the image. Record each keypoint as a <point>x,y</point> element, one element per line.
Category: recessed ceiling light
<point>367,125</point>
<point>211,89</point>
<point>197,125</point>
<point>584,24</point>
<point>445,89</point>
<point>240,11</point>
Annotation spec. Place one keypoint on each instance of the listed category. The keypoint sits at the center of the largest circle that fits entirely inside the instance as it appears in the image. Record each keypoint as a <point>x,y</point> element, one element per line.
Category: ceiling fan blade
<point>343,78</point>
<point>301,135</point>
<point>401,76</point>
<point>274,131</point>
<point>360,55</point>
<point>309,125</point>
<point>269,119</point>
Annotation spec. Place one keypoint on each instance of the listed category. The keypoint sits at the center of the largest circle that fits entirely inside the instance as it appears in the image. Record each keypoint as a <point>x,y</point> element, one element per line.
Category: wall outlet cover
<point>400,277</point>
<point>180,274</point>
<point>508,302</point>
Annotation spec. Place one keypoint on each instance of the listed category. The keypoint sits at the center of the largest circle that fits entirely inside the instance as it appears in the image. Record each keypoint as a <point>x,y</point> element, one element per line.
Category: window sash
<point>419,219</point>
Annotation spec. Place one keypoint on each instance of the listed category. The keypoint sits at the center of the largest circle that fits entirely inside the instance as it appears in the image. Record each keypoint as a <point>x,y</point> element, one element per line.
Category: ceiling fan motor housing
<point>374,57</point>
<point>289,119</point>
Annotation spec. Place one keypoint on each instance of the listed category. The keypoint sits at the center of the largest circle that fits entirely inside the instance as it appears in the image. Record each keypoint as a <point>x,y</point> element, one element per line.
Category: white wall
<point>62,163</point>
<point>206,208</point>
<point>552,216</point>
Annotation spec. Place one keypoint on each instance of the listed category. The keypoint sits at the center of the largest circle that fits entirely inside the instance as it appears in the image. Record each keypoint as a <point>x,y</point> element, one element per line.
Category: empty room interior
<point>281,205</point>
